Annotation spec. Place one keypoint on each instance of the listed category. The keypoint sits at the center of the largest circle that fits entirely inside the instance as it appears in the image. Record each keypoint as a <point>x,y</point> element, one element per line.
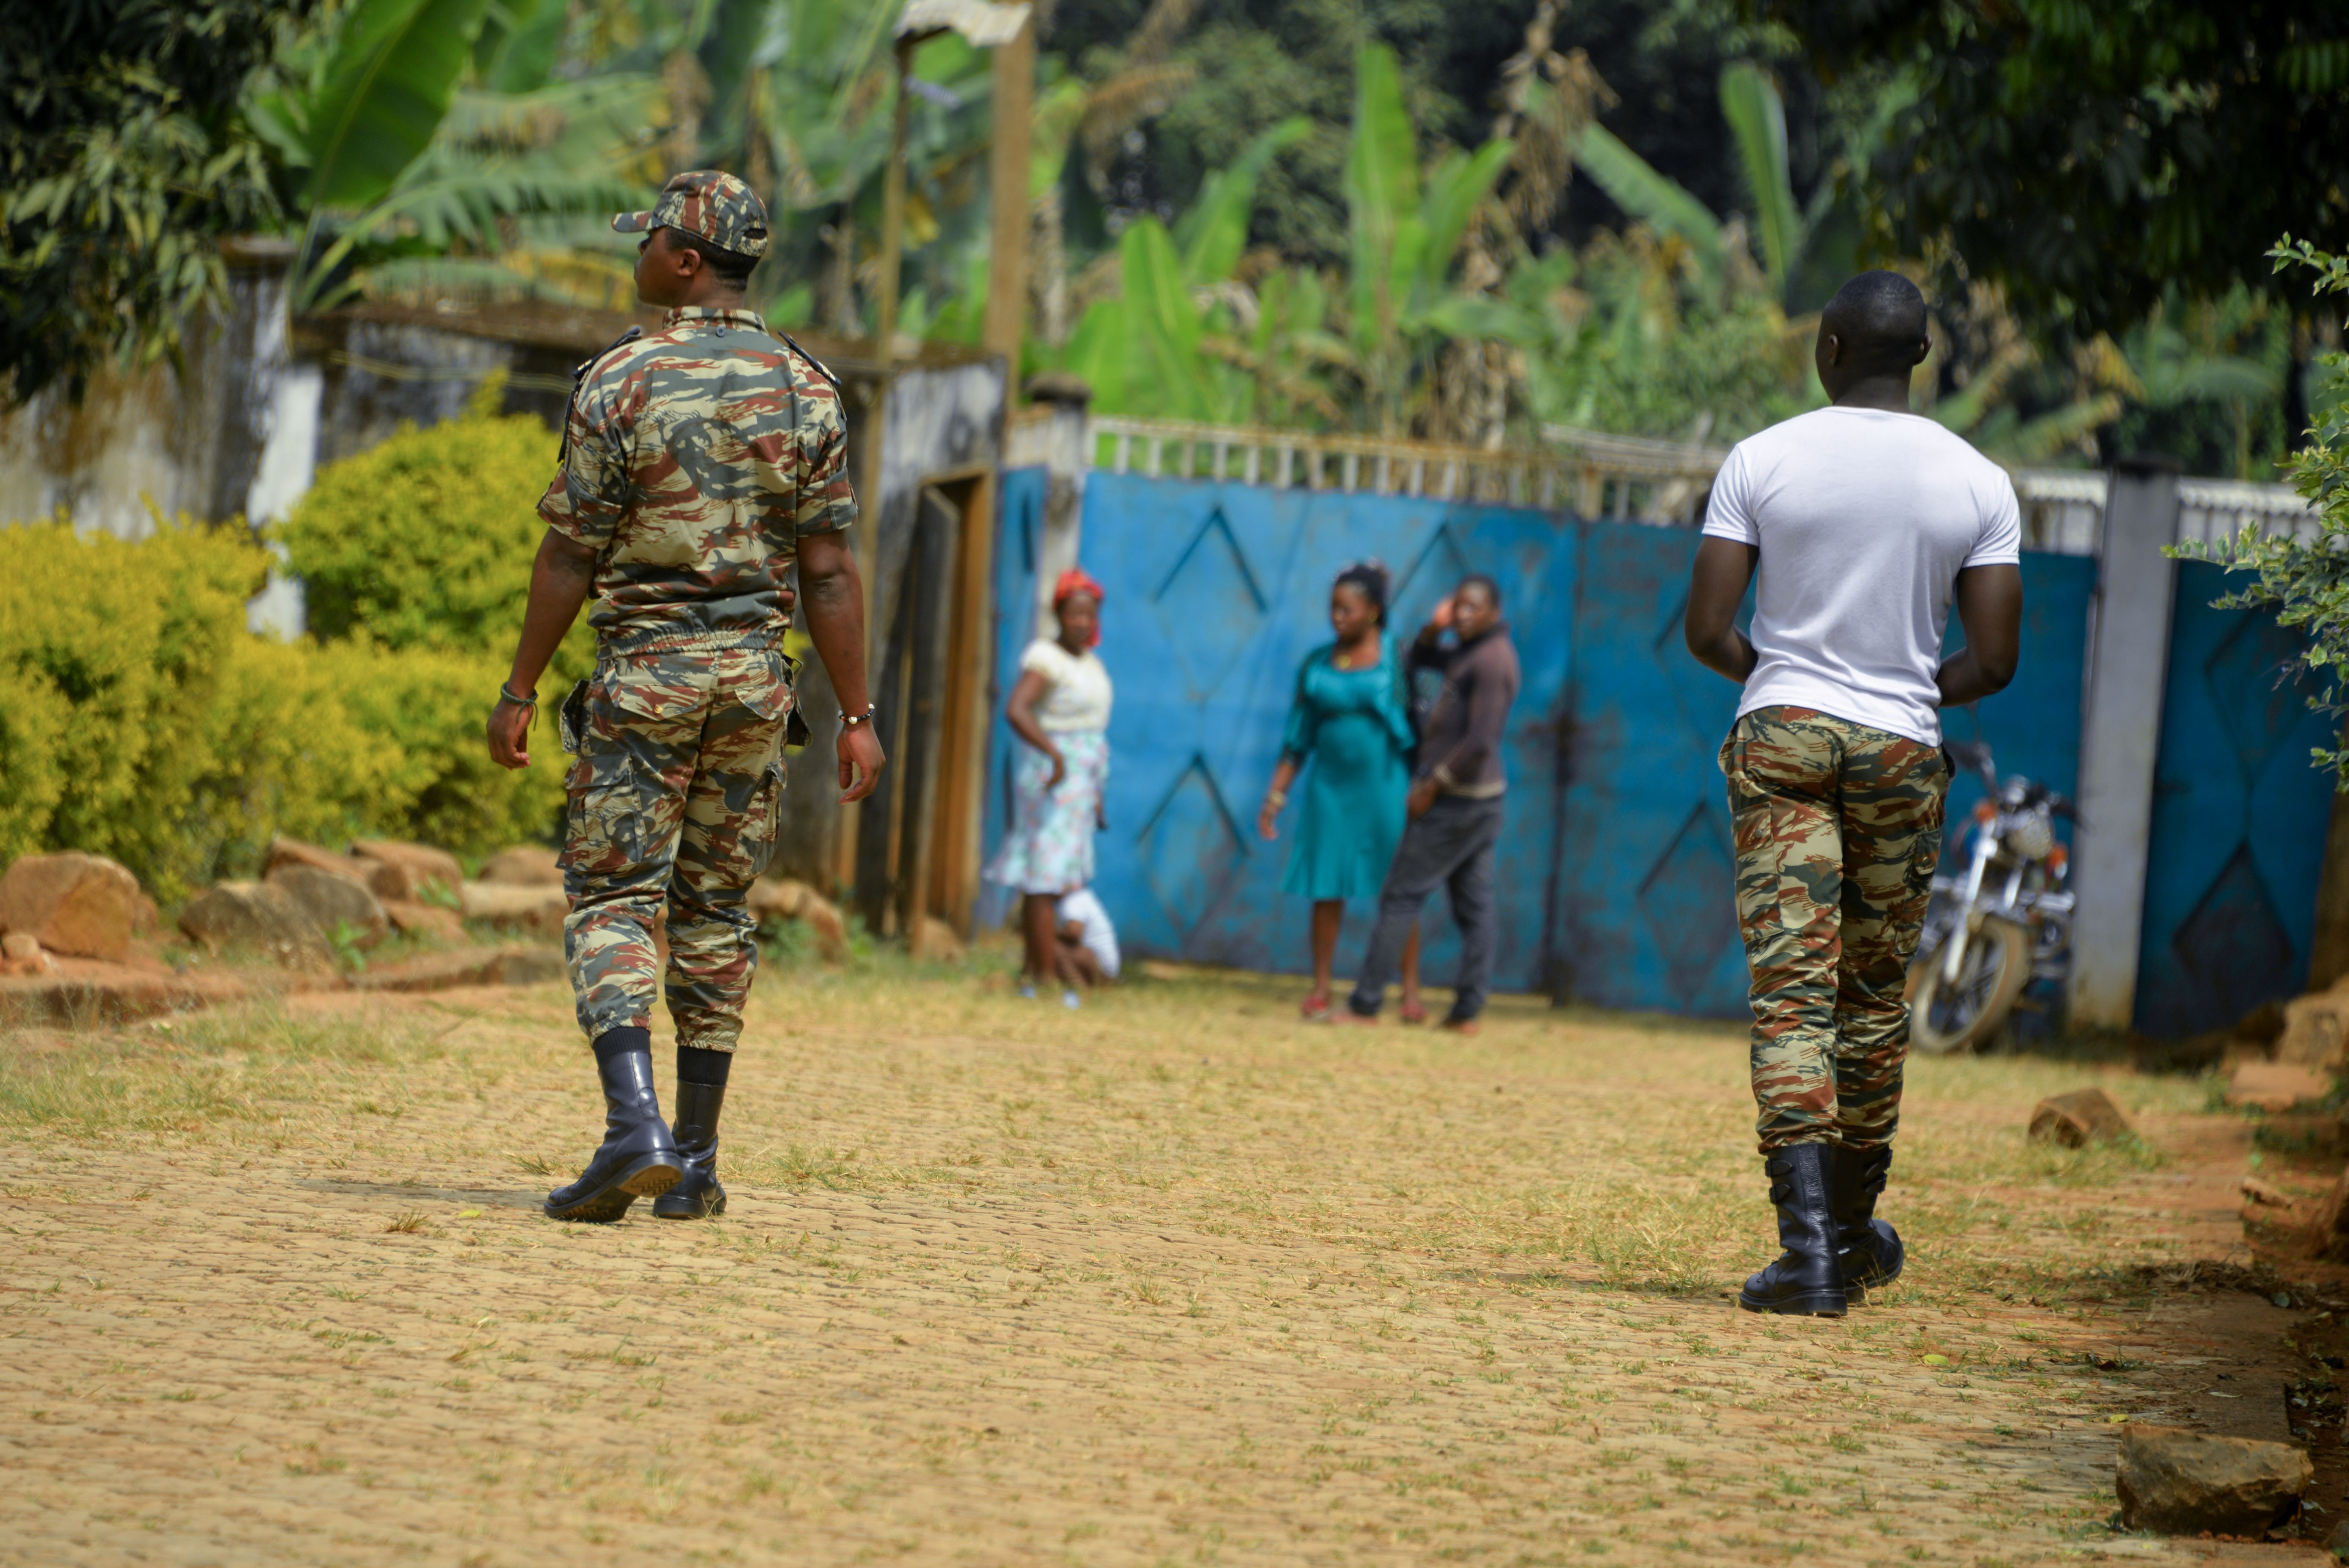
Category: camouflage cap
<point>706,202</point>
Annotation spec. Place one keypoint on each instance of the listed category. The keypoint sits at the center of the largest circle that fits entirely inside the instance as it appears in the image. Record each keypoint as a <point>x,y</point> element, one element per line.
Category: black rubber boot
<point>638,1159</point>
<point>1869,1248</point>
<point>696,1196</point>
<point>1805,1280</point>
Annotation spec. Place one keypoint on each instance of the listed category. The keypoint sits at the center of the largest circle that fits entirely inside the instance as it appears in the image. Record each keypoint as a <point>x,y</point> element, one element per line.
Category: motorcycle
<point>2004,923</point>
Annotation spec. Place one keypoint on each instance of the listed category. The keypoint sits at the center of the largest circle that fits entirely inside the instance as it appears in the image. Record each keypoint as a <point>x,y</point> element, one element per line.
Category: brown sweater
<point>1461,744</point>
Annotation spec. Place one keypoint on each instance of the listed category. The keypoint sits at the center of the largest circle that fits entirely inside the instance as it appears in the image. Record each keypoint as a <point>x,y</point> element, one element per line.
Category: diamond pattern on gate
<point>1191,847</point>
<point>1210,605</point>
<point>2235,943</point>
<point>1689,900</point>
<point>2258,693</point>
<point>1434,571</point>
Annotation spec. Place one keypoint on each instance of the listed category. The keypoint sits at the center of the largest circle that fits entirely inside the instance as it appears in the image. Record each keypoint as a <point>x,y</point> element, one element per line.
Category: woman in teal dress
<point>1351,717</point>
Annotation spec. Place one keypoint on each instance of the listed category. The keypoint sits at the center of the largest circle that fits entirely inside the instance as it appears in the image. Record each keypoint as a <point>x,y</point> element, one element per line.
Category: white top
<point>1098,937</point>
<point>1864,519</point>
<point>1076,691</point>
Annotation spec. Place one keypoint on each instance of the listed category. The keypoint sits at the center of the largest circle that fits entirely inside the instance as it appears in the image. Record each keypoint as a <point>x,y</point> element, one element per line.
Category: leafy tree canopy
<point>123,156</point>
<point>2092,158</point>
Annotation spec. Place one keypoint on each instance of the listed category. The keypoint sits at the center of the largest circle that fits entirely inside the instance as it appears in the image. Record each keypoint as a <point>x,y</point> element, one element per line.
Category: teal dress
<point>1355,727</point>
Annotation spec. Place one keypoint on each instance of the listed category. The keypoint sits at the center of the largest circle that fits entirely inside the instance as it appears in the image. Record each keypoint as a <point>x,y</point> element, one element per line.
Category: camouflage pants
<point>673,797</point>
<point>1838,827</point>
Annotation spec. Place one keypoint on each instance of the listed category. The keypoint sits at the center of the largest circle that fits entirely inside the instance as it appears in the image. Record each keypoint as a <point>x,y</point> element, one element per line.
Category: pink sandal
<point>1411,1013</point>
<point>1315,1009</point>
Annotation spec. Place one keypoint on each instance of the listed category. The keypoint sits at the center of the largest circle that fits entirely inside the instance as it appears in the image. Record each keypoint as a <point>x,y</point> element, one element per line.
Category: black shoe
<point>1869,1249</point>
<point>696,1196</point>
<point>1806,1280</point>
<point>638,1159</point>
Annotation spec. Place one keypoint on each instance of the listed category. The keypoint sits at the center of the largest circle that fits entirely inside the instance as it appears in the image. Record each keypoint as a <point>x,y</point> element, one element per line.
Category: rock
<point>21,954</point>
<point>2316,1029</point>
<point>2338,1542</point>
<point>937,941</point>
<point>332,898</point>
<point>2328,1228</point>
<point>285,851</point>
<point>83,906</point>
<point>2182,1482</point>
<point>407,869</point>
<point>783,898</point>
<point>480,966</point>
<point>254,917</point>
<point>2275,1086</point>
<point>524,865</point>
<point>81,992</point>
<point>524,908</point>
<point>2259,1193</point>
<point>2075,1119</point>
<point>428,921</point>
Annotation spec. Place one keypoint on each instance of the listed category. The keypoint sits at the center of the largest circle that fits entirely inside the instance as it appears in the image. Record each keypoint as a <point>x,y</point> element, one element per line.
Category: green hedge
<point>143,721</point>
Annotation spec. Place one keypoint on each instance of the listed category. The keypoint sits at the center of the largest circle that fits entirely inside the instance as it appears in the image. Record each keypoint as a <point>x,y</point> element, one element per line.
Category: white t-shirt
<point>1864,519</point>
<point>1098,937</point>
<point>1077,690</point>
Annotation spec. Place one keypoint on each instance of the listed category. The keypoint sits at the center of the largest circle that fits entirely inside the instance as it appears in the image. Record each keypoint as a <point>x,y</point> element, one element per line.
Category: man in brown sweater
<point>1456,802</point>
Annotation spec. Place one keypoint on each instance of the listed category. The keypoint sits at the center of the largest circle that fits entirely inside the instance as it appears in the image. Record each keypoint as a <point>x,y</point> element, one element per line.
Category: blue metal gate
<point>1615,882</point>
<point>2238,818</point>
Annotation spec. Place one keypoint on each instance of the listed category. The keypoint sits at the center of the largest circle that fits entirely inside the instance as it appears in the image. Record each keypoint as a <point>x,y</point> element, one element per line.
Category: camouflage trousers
<point>1837,828</point>
<point>673,796</point>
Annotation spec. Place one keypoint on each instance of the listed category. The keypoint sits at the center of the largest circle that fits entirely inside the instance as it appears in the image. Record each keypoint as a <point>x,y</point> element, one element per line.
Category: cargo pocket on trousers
<point>606,831</point>
<point>766,812</point>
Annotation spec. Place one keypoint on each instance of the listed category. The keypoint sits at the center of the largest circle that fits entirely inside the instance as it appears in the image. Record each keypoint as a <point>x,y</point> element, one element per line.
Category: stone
<point>2183,1483</point>
<point>784,898</point>
<point>332,899</point>
<point>2076,1120</point>
<point>937,941</point>
<point>2275,1086</point>
<point>254,917</point>
<point>429,922</point>
<point>406,871</point>
<point>81,905</point>
<point>21,954</point>
<point>517,965</point>
<point>285,851</point>
<point>2316,1029</point>
<point>2338,1542</point>
<point>80,993</point>
<point>517,908</point>
<point>523,865</point>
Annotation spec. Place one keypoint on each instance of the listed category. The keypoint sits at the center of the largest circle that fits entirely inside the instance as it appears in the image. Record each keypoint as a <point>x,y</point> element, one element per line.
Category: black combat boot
<point>697,1195</point>
<point>638,1159</point>
<point>1869,1249</point>
<point>1805,1280</point>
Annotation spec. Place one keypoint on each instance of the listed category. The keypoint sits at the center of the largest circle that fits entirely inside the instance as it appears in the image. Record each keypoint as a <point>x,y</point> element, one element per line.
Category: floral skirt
<point>1049,849</point>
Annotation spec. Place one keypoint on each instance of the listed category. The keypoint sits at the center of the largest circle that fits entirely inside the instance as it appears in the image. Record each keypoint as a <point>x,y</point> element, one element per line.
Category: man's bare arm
<point>560,578</point>
<point>1716,587</point>
<point>1990,607</point>
<point>834,597</point>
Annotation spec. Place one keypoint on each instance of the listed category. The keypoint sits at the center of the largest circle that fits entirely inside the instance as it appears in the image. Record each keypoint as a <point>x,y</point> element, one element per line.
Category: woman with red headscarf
<point>1060,708</point>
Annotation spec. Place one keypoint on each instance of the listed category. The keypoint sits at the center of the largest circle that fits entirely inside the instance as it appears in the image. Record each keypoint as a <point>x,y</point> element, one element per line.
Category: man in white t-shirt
<point>1867,522</point>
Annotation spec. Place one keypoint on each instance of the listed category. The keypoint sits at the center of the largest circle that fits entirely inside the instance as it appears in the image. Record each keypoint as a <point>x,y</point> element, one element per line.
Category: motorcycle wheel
<point>1945,1018</point>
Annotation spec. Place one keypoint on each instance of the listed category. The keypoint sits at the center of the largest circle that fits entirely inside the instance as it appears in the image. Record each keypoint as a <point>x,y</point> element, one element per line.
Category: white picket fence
<point>1598,474</point>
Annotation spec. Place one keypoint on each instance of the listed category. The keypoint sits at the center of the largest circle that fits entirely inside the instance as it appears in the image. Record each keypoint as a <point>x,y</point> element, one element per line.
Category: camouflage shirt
<point>698,457</point>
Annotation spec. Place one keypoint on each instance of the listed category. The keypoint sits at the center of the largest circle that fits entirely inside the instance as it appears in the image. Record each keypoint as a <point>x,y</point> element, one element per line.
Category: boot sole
<point>1817,1303</point>
<point>687,1209</point>
<point>649,1176</point>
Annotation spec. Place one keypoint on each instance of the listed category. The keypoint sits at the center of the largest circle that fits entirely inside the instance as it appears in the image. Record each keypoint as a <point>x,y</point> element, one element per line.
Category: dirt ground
<point>1173,1279</point>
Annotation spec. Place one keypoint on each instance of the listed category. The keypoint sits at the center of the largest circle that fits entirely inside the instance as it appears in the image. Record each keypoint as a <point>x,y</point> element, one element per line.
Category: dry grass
<point>1174,1278</point>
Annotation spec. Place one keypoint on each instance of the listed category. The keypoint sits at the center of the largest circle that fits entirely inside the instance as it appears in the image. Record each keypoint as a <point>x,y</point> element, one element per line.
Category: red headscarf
<point>1075,581</point>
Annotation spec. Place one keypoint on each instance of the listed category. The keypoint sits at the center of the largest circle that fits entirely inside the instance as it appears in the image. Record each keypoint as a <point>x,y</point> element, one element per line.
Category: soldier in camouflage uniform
<point>1865,523</point>
<point>700,464</point>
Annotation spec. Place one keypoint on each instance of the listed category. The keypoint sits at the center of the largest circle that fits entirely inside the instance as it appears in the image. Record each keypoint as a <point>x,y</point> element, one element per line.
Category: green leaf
<point>1460,183</point>
<point>1212,234</point>
<point>1638,190</point>
<point>1382,183</point>
<point>1757,121</point>
<point>524,50</point>
<point>1162,318</point>
<point>395,63</point>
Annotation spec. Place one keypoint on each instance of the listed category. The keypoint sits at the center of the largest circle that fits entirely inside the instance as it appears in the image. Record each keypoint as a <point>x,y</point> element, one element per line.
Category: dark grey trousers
<point>1450,845</point>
